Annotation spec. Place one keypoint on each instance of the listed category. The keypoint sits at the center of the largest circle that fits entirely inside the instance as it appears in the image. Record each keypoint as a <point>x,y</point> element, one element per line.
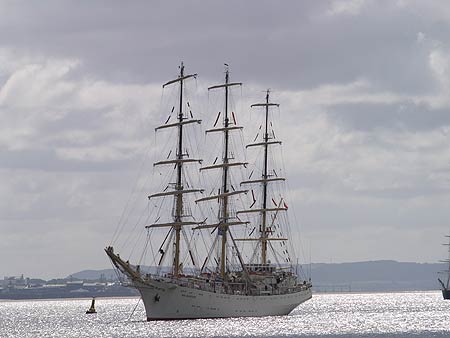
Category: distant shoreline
<point>4,300</point>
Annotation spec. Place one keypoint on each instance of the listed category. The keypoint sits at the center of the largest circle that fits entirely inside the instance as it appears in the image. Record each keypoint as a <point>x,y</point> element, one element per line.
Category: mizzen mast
<point>266,178</point>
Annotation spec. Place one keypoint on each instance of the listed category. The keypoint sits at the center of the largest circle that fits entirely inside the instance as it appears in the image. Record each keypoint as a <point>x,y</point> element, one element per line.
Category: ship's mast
<point>180,160</point>
<point>264,232</point>
<point>179,184</point>
<point>224,221</point>
<point>266,178</point>
<point>223,228</point>
<point>224,214</point>
<point>448,261</point>
<point>445,286</point>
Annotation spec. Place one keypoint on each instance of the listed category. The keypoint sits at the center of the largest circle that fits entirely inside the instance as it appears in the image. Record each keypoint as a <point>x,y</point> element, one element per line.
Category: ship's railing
<point>231,288</point>
<point>280,290</point>
<point>210,285</point>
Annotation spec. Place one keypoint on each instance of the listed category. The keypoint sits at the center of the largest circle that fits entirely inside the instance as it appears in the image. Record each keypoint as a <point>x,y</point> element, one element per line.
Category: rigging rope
<point>134,309</point>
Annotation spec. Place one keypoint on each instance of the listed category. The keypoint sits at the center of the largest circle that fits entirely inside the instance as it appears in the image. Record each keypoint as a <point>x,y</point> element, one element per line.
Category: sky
<point>364,88</point>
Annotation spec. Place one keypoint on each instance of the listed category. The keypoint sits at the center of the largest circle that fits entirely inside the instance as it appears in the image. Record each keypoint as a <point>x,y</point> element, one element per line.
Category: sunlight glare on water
<point>418,314</point>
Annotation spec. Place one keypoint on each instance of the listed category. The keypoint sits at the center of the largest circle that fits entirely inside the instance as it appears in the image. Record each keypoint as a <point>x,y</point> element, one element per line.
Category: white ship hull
<point>166,301</point>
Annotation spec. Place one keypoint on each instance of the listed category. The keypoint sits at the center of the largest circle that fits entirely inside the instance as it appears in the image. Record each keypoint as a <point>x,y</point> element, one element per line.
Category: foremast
<point>179,184</point>
<point>180,160</point>
<point>265,230</point>
<point>224,217</point>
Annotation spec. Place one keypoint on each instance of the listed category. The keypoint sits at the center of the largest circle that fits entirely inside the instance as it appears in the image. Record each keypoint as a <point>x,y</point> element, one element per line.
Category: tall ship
<point>225,248</point>
<point>445,285</point>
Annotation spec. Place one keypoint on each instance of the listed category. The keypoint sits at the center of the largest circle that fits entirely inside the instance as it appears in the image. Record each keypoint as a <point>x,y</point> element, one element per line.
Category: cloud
<point>420,37</point>
<point>364,116</point>
<point>42,106</point>
<point>346,7</point>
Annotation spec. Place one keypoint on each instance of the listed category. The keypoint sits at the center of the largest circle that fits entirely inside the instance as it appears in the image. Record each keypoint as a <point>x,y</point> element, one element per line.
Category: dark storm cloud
<point>293,45</point>
<point>140,41</point>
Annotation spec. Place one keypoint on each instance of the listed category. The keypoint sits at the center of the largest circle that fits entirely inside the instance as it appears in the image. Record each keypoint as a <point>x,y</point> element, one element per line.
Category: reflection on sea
<point>417,314</point>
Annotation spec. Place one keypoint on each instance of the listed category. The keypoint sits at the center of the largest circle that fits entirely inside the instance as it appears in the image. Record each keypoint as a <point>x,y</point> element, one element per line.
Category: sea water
<point>409,314</point>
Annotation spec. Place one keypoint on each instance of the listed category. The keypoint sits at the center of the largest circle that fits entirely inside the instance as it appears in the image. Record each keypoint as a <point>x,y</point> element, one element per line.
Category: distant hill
<point>109,274</point>
<point>385,275</point>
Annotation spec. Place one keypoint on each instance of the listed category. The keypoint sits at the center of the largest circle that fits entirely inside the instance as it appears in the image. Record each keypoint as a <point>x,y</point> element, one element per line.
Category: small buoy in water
<point>92,308</point>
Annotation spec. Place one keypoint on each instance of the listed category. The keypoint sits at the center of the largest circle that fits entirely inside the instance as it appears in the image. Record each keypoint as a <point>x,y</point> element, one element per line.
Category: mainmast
<point>224,217</point>
<point>266,178</point>
<point>178,192</point>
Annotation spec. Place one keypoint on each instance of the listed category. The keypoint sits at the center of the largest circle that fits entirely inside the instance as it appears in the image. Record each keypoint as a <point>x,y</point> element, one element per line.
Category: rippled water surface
<point>418,314</point>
